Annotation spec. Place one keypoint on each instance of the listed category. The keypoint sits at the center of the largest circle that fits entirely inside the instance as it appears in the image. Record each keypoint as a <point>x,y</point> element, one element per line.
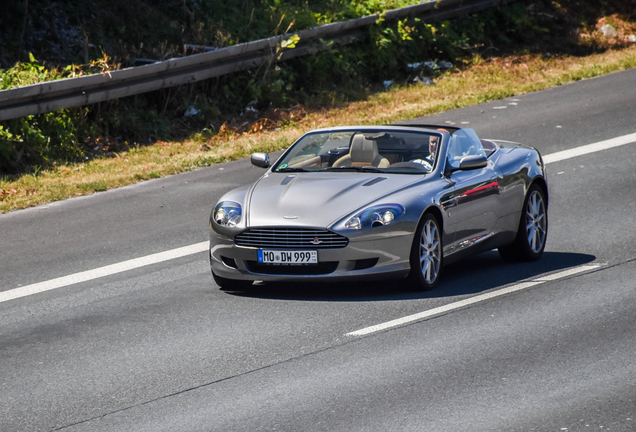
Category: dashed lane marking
<point>102,271</point>
<point>470,301</point>
<point>590,148</point>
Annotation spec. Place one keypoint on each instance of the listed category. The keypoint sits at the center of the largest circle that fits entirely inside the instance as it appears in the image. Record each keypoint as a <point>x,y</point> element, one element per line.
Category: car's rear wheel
<point>533,229</point>
<point>231,284</point>
<point>426,254</point>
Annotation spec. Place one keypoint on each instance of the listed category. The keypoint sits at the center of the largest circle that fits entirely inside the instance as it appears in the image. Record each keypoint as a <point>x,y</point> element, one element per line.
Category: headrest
<point>363,150</point>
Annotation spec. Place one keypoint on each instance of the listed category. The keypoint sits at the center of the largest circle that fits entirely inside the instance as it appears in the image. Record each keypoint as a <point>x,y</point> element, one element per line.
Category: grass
<point>476,82</point>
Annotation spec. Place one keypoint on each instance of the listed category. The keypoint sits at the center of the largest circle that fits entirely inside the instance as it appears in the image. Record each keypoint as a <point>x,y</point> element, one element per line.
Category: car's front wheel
<point>426,254</point>
<point>533,229</point>
<point>231,284</point>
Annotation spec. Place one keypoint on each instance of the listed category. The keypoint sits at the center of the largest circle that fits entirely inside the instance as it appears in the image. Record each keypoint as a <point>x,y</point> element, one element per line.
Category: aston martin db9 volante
<point>367,202</point>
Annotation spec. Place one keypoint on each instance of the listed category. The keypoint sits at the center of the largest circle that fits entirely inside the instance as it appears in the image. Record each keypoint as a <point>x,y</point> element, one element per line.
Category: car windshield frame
<point>376,150</point>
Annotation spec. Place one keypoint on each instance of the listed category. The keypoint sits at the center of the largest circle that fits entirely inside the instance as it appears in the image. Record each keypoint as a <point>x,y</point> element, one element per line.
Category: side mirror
<point>472,162</point>
<point>260,160</point>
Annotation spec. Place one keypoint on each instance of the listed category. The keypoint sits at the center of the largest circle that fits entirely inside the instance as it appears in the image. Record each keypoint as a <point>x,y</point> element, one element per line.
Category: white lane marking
<point>199,247</point>
<point>469,301</point>
<point>102,271</point>
<point>590,148</point>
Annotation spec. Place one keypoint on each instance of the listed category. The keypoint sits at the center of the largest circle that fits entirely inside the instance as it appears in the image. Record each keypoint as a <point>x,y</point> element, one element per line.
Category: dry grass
<point>477,82</point>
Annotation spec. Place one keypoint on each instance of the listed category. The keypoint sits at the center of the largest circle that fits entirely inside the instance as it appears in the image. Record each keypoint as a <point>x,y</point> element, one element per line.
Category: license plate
<point>287,257</point>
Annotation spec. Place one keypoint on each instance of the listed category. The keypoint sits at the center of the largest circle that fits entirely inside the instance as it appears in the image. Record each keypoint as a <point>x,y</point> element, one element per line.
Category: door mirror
<point>260,160</point>
<point>473,162</point>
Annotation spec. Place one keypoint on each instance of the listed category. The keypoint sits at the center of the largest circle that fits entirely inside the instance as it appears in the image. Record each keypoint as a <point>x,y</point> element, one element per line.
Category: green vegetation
<point>58,39</point>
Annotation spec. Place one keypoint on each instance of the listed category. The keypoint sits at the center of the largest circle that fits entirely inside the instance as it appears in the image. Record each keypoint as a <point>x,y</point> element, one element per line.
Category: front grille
<point>290,238</point>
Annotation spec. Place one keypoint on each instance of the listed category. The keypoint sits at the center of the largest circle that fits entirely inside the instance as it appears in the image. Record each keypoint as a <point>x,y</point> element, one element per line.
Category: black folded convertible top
<point>450,129</point>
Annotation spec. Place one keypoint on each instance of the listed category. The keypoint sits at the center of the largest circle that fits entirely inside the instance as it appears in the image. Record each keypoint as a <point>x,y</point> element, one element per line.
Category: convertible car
<point>367,202</point>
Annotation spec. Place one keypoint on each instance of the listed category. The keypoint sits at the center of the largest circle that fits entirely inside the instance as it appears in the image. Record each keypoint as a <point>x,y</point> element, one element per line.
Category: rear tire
<point>231,284</point>
<point>533,229</point>
<point>426,254</point>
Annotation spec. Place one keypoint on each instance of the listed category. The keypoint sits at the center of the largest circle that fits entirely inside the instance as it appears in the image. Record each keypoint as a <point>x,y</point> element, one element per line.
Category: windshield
<point>374,151</point>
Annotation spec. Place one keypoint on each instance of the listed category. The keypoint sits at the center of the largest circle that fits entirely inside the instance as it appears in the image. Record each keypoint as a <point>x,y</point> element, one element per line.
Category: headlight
<point>376,216</point>
<point>227,213</point>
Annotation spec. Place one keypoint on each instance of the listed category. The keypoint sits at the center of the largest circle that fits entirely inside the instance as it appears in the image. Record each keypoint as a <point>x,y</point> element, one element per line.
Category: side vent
<point>230,262</point>
<point>365,263</point>
<point>287,179</point>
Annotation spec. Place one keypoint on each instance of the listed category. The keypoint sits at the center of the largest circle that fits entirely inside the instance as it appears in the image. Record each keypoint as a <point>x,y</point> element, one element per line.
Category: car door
<point>472,201</point>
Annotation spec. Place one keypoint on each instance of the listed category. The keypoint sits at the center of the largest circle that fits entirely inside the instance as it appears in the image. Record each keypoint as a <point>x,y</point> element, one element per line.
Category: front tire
<point>533,229</point>
<point>426,254</point>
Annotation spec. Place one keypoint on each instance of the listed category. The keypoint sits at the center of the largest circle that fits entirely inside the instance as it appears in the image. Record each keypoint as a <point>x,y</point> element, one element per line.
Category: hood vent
<point>374,181</point>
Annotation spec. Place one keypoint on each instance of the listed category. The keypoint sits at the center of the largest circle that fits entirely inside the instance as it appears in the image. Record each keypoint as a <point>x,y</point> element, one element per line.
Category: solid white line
<point>102,271</point>
<point>590,148</point>
<point>199,247</point>
<point>469,301</point>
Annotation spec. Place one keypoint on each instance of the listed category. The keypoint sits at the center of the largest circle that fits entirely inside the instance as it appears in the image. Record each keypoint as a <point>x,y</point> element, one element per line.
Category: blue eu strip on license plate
<point>287,257</point>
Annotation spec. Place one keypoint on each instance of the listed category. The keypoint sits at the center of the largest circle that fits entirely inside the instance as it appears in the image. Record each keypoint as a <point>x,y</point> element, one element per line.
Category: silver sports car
<point>380,201</point>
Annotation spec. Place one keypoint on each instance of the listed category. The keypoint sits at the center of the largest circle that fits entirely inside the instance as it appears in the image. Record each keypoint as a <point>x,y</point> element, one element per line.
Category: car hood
<point>318,199</point>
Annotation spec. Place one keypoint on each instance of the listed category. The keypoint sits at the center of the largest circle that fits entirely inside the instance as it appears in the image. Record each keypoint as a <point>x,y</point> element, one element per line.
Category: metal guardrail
<point>75,92</point>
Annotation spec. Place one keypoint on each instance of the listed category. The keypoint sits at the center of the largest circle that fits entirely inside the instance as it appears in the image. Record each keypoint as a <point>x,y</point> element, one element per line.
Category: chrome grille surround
<point>290,238</point>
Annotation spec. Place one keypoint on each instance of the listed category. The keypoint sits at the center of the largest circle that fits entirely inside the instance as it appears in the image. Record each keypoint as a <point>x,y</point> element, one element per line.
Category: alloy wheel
<point>535,222</point>
<point>430,252</point>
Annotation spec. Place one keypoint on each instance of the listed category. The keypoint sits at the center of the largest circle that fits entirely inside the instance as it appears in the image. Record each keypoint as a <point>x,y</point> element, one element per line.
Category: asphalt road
<point>161,348</point>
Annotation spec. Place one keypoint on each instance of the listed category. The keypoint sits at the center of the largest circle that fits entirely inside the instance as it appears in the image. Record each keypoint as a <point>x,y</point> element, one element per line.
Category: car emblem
<point>290,217</point>
<point>315,241</point>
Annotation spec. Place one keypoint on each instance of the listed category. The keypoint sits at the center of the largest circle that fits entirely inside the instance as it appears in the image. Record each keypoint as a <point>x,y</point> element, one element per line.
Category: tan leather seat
<point>363,152</point>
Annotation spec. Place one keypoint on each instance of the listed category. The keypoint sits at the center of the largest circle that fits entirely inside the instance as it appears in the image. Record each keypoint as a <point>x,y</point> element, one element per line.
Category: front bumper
<point>374,257</point>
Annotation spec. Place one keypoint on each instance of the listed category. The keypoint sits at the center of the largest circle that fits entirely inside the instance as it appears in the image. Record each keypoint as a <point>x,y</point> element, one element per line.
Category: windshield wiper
<point>356,168</point>
<point>288,169</point>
